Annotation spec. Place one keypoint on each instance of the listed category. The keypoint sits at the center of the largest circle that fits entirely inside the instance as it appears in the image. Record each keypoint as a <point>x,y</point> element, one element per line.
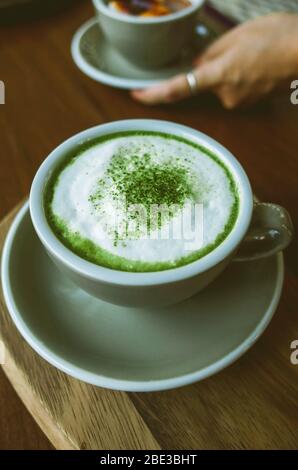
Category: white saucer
<point>97,59</point>
<point>134,349</point>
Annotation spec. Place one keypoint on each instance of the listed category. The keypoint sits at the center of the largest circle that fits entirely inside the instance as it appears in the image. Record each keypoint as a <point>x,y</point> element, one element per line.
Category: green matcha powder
<point>141,181</point>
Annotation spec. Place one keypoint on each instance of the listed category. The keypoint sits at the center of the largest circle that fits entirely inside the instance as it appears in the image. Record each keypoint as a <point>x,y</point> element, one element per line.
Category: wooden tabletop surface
<point>48,99</point>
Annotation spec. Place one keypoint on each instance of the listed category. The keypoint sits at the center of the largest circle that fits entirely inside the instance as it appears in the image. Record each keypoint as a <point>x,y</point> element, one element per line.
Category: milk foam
<point>73,204</point>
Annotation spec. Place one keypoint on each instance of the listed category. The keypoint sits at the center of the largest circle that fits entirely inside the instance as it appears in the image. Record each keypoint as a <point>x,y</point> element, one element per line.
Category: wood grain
<point>73,415</point>
<point>252,404</point>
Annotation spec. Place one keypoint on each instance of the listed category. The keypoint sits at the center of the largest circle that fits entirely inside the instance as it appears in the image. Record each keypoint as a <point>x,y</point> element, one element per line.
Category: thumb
<point>207,76</point>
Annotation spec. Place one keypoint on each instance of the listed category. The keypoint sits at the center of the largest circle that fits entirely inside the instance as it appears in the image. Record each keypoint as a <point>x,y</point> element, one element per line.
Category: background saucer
<point>97,59</point>
<point>134,349</point>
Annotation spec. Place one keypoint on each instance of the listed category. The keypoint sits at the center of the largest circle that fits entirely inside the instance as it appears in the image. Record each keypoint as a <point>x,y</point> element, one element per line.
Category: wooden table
<point>48,100</point>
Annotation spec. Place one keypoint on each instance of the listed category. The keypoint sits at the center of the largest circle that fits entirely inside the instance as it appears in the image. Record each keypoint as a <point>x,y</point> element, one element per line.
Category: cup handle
<point>271,230</point>
<point>204,34</point>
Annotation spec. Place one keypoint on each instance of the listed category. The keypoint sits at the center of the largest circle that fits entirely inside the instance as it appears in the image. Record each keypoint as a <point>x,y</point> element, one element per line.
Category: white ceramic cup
<point>260,230</point>
<point>149,42</point>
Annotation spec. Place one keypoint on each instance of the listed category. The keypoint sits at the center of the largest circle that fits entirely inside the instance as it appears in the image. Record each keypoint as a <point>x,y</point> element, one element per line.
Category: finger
<point>210,74</point>
<point>233,96</point>
<point>165,92</point>
<point>177,88</point>
<point>218,47</point>
<point>208,54</point>
<point>230,96</point>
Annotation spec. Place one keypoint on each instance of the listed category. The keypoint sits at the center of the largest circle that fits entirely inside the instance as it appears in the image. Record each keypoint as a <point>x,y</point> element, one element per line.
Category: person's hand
<point>241,66</point>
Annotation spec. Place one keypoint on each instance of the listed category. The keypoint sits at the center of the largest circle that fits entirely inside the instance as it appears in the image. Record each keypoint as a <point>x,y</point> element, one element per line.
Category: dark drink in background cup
<point>149,8</point>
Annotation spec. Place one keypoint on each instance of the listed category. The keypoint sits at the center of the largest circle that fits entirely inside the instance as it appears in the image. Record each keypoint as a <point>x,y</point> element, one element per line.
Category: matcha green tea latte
<point>141,201</point>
